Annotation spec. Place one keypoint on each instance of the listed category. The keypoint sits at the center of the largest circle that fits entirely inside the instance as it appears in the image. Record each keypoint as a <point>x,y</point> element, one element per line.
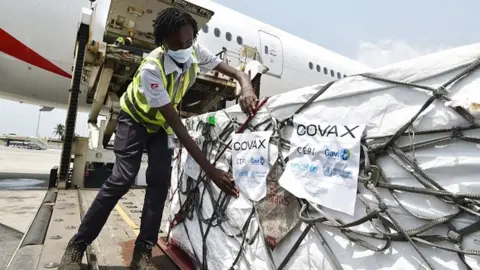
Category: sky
<point>374,32</point>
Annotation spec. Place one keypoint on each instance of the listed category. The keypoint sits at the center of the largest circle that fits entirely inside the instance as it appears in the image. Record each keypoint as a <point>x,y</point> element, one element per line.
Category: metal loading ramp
<point>58,220</point>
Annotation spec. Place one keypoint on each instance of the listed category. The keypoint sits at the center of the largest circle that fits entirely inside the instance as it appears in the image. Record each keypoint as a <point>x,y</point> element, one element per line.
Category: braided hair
<point>169,21</point>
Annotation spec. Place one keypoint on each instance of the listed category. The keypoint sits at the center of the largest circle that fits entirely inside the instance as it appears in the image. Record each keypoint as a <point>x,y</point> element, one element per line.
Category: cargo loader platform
<point>58,219</point>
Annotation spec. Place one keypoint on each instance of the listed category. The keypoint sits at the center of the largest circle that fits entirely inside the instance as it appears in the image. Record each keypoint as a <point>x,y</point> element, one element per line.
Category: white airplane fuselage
<point>37,41</point>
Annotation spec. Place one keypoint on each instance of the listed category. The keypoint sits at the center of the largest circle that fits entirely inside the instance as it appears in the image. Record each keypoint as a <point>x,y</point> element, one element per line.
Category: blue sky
<point>375,32</point>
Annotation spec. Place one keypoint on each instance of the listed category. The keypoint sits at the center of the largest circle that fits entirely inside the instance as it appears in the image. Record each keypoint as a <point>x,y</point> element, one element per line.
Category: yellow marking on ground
<point>127,219</point>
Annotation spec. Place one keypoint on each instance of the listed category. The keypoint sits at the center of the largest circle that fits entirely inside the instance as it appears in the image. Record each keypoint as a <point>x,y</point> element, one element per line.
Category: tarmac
<point>23,184</point>
<point>18,162</point>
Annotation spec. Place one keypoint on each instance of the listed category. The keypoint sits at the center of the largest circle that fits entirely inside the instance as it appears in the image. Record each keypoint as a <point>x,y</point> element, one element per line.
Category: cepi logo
<point>257,161</point>
<point>304,167</point>
<point>343,153</point>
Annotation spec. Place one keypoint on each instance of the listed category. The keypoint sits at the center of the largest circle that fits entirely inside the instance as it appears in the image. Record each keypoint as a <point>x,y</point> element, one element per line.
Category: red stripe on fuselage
<point>15,48</point>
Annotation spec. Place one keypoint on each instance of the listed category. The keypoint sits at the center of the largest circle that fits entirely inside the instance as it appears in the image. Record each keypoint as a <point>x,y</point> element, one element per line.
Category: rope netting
<point>192,192</point>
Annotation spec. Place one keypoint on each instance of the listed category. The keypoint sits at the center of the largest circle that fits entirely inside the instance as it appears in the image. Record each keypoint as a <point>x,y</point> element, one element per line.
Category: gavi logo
<point>257,161</point>
<point>343,154</point>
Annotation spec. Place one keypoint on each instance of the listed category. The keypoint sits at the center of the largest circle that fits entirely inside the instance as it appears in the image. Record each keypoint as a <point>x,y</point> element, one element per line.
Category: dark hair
<point>169,21</point>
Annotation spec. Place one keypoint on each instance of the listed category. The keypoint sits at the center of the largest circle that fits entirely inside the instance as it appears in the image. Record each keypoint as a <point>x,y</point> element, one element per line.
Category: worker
<point>147,119</point>
<point>123,41</point>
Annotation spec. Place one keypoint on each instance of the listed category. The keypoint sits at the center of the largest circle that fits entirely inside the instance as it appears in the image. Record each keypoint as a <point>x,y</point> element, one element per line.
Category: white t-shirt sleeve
<point>151,85</point>
<point>206,59</point>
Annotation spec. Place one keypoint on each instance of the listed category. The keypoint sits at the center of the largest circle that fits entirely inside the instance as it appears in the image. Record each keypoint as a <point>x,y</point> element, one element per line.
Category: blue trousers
<point>130,140</point>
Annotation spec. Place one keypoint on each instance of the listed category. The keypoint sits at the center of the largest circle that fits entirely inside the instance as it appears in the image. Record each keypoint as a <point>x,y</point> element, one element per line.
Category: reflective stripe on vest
<point>135,104</point>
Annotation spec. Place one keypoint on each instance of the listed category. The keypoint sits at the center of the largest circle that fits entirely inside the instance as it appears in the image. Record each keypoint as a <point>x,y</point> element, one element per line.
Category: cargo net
<point>203,219</point>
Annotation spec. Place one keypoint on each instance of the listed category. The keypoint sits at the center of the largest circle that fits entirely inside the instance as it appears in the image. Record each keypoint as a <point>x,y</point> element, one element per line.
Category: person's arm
<point>223,180</point>
<point>208,60</point>
<point>248,100</point>
<point>151,85</point>
<point>238,75</point>
<point>172,118</point>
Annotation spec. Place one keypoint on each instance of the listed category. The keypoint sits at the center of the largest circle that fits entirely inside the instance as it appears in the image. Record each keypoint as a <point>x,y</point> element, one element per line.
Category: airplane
<point>37,41</point>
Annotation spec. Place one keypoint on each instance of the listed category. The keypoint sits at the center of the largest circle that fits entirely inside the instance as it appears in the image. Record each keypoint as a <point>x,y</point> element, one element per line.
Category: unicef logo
<point>242,173</point>
<point>304,167</point>
<point>344,154</point>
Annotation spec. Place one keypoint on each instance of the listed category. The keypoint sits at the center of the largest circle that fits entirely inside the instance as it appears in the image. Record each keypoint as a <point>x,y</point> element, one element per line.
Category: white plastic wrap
<point>385,108</point>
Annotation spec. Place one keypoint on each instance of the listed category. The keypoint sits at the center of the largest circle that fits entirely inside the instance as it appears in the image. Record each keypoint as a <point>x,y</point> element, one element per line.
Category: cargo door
<point>271,52</point>
<point>135,18</point>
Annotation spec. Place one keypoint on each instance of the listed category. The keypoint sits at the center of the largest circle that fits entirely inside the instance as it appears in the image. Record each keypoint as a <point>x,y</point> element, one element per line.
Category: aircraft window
<point>325,70</point>
<point>339,75</point>
<point>319,68</point>
<point>266,49</point>
<point>332,73</point>
<point>228,36</point>
<point>239,40</point>
<point>310,65</point>
<point>216,32</point>
<point>205,29</point>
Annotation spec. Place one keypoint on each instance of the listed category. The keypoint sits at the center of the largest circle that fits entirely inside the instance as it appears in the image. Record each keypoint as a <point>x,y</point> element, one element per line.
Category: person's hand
<point>248,100</point>
<point>224,181</point>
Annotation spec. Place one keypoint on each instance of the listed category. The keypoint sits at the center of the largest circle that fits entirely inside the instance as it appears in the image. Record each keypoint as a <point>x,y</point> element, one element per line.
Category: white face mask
<point>181,56</point>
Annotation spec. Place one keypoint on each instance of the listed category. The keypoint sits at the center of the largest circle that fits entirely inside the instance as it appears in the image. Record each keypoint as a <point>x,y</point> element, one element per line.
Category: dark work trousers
<point>130,140</point>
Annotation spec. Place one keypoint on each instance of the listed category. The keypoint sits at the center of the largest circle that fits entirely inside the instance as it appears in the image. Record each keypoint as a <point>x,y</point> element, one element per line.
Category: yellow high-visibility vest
<point>135,104</point>
<point>120,40</point>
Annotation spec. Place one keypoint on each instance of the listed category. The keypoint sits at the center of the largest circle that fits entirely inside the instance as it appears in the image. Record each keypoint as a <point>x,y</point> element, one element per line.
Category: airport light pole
<point>38,121</point>
<point>42,109</point>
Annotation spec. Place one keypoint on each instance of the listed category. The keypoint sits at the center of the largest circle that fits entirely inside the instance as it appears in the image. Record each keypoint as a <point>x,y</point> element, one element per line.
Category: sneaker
<point>142,258</point>
<point>72,258</point>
